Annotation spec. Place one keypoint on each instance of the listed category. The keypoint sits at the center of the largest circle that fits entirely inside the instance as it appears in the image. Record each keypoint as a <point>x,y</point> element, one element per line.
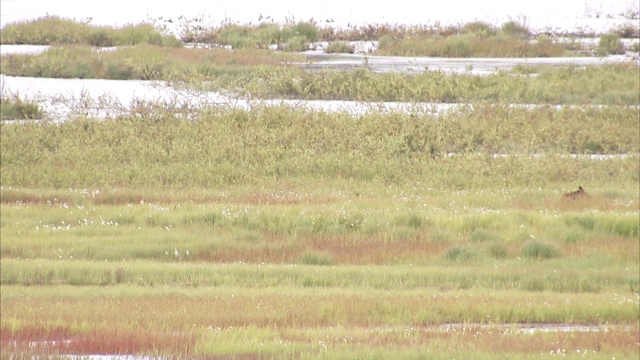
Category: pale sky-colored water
<point>563,14</point>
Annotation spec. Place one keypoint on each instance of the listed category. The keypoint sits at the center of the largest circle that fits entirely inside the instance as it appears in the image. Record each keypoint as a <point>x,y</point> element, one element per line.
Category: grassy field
<point>208,232</point>
<point>318,270</point>
<point>287,232</point>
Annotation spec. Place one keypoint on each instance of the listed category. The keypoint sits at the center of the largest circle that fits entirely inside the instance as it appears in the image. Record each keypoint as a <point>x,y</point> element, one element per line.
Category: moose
<point>576,195</point>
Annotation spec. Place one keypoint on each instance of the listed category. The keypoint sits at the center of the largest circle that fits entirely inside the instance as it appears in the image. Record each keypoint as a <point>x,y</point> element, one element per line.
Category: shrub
<point>478,28</point>
<point>141,34</point>
<point>609,44</point>
<point>101,37</point>
<point>628,31</point>
<point>298,44</point>
<point>236,36</point>
<point>14,108</point>
<point>339,47</point>
<point>456,46</point>
<point>268,34</point>
<point>540,250</point>
<point>307,30</point>
<point>512,28</point>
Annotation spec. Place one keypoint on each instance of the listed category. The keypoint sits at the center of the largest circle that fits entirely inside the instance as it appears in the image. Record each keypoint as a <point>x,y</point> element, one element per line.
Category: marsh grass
<point>453,150</point>
<point>339,47</point>
<point>539,250</point>
<point>54,30</point>
<point>295,271</point>
<point>470,45</point>
<point>292,36</point>
<point>265,74</point>
<point>139,62</point>
<point>616,84</point>
<point>15,108</point>
<point>609,44</point>
<point>477,39</point>
<point>474,39</point>
<point>308,232</point>
<point>305,322</point>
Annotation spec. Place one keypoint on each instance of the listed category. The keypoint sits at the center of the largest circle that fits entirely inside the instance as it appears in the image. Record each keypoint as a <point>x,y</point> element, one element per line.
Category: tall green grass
<point>157,147</point>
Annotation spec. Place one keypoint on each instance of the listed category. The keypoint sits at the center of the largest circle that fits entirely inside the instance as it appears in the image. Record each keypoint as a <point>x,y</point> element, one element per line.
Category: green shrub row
<point>54,30</point>
<point>139,62</point>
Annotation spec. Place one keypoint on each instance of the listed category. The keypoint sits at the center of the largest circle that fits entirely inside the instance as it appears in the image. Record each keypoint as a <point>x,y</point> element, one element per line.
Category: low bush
<point>610,44</point>
<point>339,47</point>
<point>515,29</point>
<point>15,108</point>
<point>478,28</point>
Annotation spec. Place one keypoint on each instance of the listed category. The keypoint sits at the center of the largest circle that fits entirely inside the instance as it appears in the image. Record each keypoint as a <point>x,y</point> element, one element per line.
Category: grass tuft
<point>539,250</point>
<point>15,108</point>
<point>609,44</point>
<point>316,258</point>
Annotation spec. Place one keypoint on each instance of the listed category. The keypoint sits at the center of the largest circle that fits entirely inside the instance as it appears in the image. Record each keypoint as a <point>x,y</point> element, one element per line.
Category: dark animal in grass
<point>576,195</point>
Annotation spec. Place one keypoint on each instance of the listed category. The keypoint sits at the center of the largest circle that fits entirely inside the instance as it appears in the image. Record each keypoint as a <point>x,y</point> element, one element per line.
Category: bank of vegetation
<point>474,39</point>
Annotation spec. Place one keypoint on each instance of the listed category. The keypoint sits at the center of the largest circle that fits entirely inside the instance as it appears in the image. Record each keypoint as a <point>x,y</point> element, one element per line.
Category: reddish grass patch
<point>112,341</point>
